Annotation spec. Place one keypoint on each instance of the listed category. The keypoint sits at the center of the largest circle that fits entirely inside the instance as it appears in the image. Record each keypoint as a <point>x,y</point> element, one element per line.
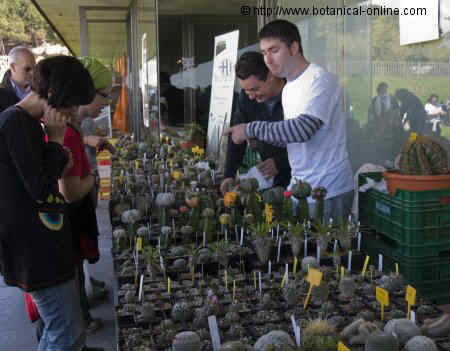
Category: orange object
<point>395,180</point>
<point>120,120</point>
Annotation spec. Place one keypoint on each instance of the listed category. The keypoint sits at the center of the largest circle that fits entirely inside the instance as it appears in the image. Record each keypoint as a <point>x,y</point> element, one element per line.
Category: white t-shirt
<point>432,109</point>
<point>322,160</point>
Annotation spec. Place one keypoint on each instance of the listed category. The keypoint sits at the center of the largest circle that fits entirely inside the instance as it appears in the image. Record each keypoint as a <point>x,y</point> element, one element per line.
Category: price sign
<point>410,298</point>
<point>314,278</point>
<point>383,299</point>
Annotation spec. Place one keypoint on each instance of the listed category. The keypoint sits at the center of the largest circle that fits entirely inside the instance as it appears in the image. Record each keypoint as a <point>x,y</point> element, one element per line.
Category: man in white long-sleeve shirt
<point>313,128</point>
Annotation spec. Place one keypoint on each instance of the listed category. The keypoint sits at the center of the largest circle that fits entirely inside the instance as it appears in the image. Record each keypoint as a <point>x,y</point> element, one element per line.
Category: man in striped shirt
<point>313,129</point>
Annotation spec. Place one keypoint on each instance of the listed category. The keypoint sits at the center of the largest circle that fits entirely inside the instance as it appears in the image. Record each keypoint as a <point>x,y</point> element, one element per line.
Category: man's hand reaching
<point>268,168</point>
<point>237,133</point>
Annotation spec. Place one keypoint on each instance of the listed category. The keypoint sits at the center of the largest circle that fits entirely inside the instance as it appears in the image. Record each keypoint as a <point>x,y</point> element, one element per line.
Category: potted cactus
<point>320,335</point>
<point>423,165</point>
<point>301,191</point>
<point>263,243</point>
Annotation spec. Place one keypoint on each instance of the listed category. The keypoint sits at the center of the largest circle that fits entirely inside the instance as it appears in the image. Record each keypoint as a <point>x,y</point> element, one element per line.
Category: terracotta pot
<point>395,180</point>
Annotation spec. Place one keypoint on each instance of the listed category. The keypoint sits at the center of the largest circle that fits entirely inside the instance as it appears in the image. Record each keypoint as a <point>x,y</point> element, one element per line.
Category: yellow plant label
<point>226,280</point>
<point>139,244</point>
<point>382,296</point>
<point>295,264</point>
<point>136,163</point>
<point>254,278</point>
<point>234,290</point>
<point>168,286</point>
<point>314,277</point>
<point>284,280</point>
<point>342,272</point>
<point>342,347</point>
<point>366,262</point>
<point>411,295</point>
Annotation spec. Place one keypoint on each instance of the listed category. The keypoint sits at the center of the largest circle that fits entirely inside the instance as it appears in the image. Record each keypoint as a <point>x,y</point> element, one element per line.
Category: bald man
<point>20,73</point>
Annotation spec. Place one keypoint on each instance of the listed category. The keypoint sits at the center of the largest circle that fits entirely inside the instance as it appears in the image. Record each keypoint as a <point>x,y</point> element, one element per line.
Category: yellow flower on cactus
<point>176,175</point>
<point>196,150</point>
<point>268,213</point>
<point>229,198</point>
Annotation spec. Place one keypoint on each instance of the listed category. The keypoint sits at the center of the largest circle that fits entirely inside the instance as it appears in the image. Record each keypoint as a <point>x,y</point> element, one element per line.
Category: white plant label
<point>214,330</point>
<point>279,248</point>
<point>349,264</point>
<point>141,286</point>
<point>380,263</point>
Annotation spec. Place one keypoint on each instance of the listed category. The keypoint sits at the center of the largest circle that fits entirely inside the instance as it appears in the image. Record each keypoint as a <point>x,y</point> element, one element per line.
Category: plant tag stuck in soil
<point>383,299</point>
<point>214,330</point>
<point>342,347</point>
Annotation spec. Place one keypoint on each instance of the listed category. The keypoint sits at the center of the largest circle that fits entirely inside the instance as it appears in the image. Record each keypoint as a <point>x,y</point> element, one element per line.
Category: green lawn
<point>423,87</point>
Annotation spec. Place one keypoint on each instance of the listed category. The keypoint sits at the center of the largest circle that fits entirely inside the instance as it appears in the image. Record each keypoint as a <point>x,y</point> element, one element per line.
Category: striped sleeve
<point>295,130</point>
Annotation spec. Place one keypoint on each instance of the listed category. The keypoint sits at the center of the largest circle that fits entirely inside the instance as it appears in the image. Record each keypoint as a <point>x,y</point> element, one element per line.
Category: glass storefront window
<point>380,78</point>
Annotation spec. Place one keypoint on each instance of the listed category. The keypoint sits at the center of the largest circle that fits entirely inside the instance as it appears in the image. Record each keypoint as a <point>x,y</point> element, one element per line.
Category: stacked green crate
<point>412,229</point>
<point>418,222</point>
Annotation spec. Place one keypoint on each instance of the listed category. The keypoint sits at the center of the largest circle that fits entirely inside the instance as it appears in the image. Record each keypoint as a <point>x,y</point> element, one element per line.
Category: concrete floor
<point>16,330</point>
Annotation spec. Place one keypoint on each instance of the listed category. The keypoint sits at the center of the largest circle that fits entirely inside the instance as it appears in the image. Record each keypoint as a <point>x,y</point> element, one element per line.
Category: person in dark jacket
<point>413,108</point>
<point>36,254</point>
<point>259,100</point>
<point>17,78</point>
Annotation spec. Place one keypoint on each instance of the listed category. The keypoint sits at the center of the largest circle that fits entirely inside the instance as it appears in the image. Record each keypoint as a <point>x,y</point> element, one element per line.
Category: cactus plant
<point>319,194</point>
<point>296,233</point>
<point>319,335</point>
<point>186,341</point>
<point>302,190</point>
<point>423,156</point>
<point>274,340</point>
<point>403,328</point>
<point>181,312</point>
<point>309,262</point>
<point>378,341</point>
<point>420,343</point>
<point>290,293</point>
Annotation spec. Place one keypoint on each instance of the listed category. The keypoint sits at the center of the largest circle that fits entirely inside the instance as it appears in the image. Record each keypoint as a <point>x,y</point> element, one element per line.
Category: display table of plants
<point>200,271</point>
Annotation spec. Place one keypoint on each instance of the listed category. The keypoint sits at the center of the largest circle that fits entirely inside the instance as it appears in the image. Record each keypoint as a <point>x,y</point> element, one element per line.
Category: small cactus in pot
<point>301,191</point>
<point>319,194</point>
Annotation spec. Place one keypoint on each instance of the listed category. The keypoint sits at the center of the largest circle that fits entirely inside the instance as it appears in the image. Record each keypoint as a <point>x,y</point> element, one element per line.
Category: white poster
<point>223,77</point>
<point>419,21</point>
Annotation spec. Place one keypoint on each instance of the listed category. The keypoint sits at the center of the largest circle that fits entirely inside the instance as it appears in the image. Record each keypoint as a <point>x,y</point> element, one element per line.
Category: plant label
<point>342,347</point>
<point>139,244</point>
<point>306,246</point>
<point>366,262</point>
<point>260,285</point>
<point>287,273</point>
<point>349,264</point>
<point>279,249</point>
<point>383,299</point>
<point>141,285</point>
<point>270,267</point>
<point>380,263</point>
<point>410,298</point>
<point>413,317</point>
<point>214,330</point>
<point>314,278</point>
<point>359,241</point>
<point>295,264</point>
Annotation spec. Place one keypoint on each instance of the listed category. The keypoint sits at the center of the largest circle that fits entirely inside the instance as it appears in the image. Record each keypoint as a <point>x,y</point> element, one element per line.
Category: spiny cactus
<point>319,194</point>
<point>319,335</point>
<point>423,156</point>
<point>301,190</point>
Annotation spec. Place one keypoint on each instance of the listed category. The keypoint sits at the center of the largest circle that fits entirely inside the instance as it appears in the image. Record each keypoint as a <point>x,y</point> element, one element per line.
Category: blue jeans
<point>59,308</point>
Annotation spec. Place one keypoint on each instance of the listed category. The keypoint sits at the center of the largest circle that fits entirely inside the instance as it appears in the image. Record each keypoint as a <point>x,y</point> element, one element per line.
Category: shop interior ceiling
<point>107,19</point>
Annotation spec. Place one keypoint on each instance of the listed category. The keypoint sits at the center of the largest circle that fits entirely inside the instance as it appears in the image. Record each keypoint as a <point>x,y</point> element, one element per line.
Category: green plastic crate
<point>429,275</point>
<point>419,221</point>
